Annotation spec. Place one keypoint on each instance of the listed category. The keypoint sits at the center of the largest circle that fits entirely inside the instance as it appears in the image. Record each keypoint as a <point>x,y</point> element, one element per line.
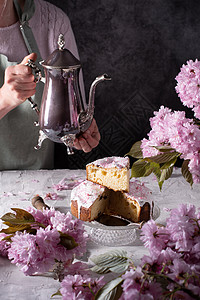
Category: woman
<point>41,23</point>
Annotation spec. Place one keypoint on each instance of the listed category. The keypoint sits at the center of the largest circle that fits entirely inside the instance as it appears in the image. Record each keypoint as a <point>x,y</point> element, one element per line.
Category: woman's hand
<point>89,139</point>
<point>18,85</point>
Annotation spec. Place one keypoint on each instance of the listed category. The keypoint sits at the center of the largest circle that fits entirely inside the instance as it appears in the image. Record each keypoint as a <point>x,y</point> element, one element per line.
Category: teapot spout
<point>92,91</point>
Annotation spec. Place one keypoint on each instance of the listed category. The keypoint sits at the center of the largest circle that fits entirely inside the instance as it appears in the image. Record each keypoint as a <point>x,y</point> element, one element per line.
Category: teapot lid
<point>61,58</point>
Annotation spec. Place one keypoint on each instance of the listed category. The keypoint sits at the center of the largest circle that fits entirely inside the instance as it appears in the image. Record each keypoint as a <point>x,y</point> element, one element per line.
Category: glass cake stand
<point>115,235</point>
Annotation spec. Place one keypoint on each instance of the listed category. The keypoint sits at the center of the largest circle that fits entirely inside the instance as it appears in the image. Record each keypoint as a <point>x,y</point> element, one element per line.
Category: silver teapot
<point>64,113</point>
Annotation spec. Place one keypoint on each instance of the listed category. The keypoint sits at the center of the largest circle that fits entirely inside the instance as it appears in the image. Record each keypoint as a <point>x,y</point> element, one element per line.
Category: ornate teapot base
<point>68,140</point>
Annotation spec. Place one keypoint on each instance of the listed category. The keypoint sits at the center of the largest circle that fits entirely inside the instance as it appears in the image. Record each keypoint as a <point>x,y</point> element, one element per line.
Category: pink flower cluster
<point>81,287</point>
<point>174,256</point>
<point>135,287</point>
<point>78,282</point>
<point>4,245</point>
<point>175,130</point>
<point>188,86</point>
<point>34,253</point>
<point>38,252</point>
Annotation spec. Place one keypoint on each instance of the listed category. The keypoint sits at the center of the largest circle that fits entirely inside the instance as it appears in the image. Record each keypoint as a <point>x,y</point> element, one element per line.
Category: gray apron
<point>18,135</point>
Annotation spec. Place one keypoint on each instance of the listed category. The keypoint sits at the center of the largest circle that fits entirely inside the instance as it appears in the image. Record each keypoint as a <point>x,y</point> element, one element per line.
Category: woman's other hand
<point>89,139</point>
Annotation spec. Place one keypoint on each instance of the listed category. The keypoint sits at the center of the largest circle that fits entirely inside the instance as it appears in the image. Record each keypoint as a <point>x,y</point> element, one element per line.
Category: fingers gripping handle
<point>36,71</point>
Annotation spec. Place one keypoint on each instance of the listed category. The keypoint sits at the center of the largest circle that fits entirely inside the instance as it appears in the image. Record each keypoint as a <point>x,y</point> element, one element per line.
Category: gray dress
<point>18,134</point>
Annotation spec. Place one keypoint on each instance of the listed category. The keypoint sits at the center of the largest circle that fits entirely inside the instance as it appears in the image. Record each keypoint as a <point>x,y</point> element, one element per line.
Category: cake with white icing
<point>112,172</point>
<point>90,200</point>
<point>136,205</point>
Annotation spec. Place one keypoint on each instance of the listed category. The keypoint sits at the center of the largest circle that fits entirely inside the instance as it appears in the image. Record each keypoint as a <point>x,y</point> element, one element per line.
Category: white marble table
<point>17,189</point>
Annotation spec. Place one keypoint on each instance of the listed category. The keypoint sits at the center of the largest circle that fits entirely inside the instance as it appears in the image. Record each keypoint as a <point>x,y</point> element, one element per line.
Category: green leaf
<point>151,167</point>
<point>166,173</point>
<point>7,237</point>
<point>163,158</point>
<point>141,168</point>
<point>162,175</point>
<point>20,217</point>
<point>169,164</point>
<point>157,172</point>
<point>186,172</point>
<point>161,165</point>
<point>15,228</point>
<point>136,151</point>
<point>112,261</point>
<point>164,148</point>
<point>67,241</point>
<point>19,221</point>
<point>110,290</point>
<point>109,257</point>
<point>120,268</point>
<point>100,269</point>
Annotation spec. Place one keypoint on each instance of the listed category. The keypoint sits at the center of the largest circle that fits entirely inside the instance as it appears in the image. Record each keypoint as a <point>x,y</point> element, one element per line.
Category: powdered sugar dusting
<point>112,162</point>
<point>86,193</point>
<point>139,192</point>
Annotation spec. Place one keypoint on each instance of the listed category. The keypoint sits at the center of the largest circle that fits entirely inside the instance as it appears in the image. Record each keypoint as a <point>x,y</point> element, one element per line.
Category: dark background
<point>142,45</point>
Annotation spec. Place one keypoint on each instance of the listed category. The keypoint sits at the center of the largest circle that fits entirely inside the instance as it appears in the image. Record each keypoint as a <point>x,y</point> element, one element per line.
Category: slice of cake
<point>112,172</point>
<point>88,200</point>
<point>135,206</point>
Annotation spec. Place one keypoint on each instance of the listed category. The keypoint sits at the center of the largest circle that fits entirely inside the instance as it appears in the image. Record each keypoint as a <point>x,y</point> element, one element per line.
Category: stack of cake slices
<point>108,190</point>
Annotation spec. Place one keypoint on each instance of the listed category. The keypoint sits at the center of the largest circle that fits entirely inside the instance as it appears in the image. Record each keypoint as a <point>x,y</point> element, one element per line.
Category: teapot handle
<point>36,71</point>
<point>38,77</point>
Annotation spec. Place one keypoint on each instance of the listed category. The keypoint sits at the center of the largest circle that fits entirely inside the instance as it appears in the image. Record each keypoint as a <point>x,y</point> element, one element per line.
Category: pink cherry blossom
<point>180,133</point>
<point>188,85</point>
<point>38,252</point>
<point>154,238</point>
<point>4,245</point>
<point>34,253</point>
<point>79,287</point>
<point>136,287</point>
